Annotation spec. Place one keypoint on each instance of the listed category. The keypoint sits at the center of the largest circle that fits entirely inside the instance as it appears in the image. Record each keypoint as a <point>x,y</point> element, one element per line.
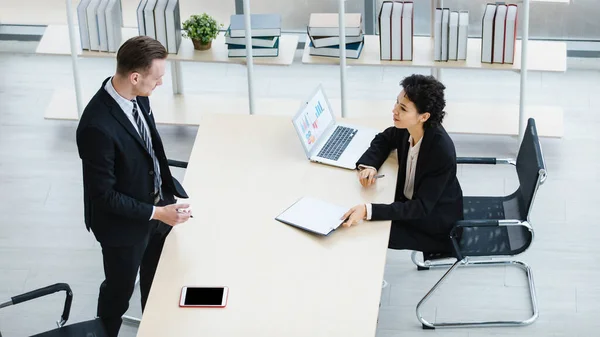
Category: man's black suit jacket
<point>437,201</point>
<point>118,184</point>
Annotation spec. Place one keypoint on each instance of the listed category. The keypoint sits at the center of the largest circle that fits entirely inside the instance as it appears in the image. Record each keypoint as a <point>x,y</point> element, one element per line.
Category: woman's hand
<point>367,176</point>
<point>355,215</point>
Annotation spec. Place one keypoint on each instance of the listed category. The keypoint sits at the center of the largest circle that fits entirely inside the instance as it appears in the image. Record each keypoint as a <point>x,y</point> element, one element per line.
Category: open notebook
<point>313,215</point>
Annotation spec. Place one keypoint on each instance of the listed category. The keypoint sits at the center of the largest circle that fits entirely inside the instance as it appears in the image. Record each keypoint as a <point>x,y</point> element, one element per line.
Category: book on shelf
<point>463,35</point>
<point>140,17</point>
<point>238,50</point>
<point>408,23</point>
<point>453,37</point>
<point>259,41</point>
<point>499,33</point>
<point>499,26</point>
<point>84,34</point>
<point>100,23</point>
<point>445,31</point>
<point>149,19</point>
<point>396,30</point>
<point>328,24</point>
<point>260,25</point>
<point>385,30</point>
<point>101,17</point>
<point>437,35</point>
<point>173,26</point>
<point>450,35</point>
<point>92,24</point>
<point>330,41</point>
<point>114,22</point>
<point>510,36</point>
<point>396,27</point>
<point>160,22</point>
<point>353,50</point>
<point>265,33</point>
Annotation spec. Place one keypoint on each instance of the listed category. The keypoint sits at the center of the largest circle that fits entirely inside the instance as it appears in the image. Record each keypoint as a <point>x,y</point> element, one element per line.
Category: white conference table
<point>243,171</point>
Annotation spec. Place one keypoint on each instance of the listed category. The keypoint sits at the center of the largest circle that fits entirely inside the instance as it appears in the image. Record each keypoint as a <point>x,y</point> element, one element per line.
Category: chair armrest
<point>177,163</point>
<point>47,291</point>
<point>484,160</point>
<point>477,223</point>
<point>476,160</point>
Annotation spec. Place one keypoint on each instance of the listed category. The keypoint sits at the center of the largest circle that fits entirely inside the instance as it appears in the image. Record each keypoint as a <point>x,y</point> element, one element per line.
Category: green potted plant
<point>201,29</point>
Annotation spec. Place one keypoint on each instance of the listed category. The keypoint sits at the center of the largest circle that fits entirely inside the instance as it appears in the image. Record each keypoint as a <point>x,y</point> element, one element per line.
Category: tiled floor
<point>43,239</point>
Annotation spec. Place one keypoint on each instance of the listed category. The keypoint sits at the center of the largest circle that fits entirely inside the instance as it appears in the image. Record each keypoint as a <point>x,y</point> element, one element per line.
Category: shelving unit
<point>543,56</point>
<point>56,42</point>
<point>548,56</point>
<point>64,40</point>
<point>464,118</point>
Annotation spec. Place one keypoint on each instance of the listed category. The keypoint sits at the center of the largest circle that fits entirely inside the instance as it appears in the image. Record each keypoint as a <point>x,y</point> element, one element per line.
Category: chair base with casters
<point>472,262</point>
<point>494,230</point>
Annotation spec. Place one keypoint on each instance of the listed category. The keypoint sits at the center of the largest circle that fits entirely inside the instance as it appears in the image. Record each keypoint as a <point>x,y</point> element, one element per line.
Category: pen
<point>379,176</point>
<point>179,210</point>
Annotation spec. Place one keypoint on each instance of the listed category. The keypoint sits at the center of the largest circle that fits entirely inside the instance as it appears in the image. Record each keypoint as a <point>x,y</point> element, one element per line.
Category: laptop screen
<point>313,119</point>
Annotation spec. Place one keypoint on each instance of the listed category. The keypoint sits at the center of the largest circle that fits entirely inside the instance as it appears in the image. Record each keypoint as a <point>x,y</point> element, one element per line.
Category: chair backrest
<point>531,168</point>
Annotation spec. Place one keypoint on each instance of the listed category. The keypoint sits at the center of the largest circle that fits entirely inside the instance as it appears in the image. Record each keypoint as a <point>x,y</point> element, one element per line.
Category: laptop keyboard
<point>337,143</point>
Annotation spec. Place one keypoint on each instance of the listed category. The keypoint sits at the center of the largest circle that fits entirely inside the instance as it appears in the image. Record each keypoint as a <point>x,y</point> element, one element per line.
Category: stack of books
<point>161,20</point>
<point>100,23</point>
<point>324,34</point>
<point>396,30</point>
<point>450,35</point>
<point>266,32</point>
<point>499,33</point>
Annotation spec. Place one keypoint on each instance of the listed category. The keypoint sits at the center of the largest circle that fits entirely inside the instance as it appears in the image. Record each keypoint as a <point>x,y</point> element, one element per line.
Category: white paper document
<point>313,215</point>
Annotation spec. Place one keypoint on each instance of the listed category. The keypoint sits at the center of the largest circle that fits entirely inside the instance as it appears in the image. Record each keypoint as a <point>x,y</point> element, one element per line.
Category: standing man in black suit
<point>429,198</point>
<point>129,193</point>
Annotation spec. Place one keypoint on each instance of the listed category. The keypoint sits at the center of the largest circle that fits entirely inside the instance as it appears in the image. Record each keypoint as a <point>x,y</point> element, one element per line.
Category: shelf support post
<point>73,45</point>
<point>523,86</point>
<point>342,24</point>
<point>249,61</point>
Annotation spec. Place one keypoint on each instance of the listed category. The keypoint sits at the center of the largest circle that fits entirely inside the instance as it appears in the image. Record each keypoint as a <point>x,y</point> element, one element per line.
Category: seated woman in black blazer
<point>428,197</point>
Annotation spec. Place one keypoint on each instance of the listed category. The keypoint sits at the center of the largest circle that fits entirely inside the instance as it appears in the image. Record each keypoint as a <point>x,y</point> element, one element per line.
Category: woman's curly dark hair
<point>427,94</point>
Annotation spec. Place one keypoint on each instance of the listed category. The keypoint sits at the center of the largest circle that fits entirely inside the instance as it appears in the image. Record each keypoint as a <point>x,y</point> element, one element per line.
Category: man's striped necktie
<point>144,133</point>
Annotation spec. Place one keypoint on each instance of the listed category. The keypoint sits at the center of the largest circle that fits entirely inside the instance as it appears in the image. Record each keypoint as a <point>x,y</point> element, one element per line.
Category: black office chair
<point>134,320</point>
<point>494,227</point>
<point>92,328</point>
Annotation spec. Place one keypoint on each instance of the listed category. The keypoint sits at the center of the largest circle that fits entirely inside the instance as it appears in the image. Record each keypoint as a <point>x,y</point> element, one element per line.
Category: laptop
<point>324,139</point>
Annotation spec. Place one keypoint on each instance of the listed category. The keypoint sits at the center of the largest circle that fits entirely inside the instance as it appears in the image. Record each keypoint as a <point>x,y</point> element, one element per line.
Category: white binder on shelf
<point>149,19</point>
<point>445,35</point>
<point>463,34</point>
<point>407,31</point>
<point>114,22</point>
<point>437,35</point>
<point>84,34</point>
<point>453,37</point>
<point>140,17</point>
<point>499,27</point>
<point>385,38</point>
<point>487,33</point>
<point>160,21</point>
<point>101,17</point>
<point>173,23</point>
<point>510,34</point>
<point>92,21</point>
<point>396,29</point>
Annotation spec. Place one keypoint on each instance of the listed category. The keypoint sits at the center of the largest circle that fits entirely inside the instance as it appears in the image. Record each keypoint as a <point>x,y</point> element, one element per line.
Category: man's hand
<point>170,214</point>
<point>367,176</point>
<point>355,215</point>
